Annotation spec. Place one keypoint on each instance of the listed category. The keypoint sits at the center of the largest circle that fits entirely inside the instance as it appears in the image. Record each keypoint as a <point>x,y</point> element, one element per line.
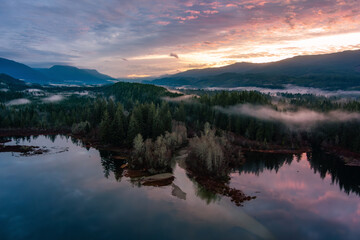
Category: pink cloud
<point>187,18</point>
<point>249,6</point>
<point>164,23</point>
<point>192,12</point>
<point>189,4</point>
<point>231,5</point>
<point>210,11</point>
<point>212,5</point>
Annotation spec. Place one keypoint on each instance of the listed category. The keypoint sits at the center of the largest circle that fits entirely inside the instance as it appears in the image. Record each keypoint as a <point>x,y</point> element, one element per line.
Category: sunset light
<point>179,119</point>
<point>130,40</point>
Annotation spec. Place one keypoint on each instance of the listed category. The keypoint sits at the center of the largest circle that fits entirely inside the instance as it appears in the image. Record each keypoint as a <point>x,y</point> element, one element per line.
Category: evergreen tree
<point>118,125</point>
<point>105,128</point>
<point>134,128</point>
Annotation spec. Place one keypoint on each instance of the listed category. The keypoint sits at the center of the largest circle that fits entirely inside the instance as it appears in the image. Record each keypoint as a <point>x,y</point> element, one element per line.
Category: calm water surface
<point>77,193</point>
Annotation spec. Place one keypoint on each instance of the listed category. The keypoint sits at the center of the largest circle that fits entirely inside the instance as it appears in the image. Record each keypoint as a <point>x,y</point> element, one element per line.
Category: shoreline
<point>143,177</point>
<point>348,157</point>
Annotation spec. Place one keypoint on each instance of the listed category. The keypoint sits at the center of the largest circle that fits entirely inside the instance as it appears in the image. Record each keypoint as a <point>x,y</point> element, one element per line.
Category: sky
<point>141,38</point>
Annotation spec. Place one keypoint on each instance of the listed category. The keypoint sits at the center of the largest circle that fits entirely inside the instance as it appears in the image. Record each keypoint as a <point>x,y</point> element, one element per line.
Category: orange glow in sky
<point>141,38</point>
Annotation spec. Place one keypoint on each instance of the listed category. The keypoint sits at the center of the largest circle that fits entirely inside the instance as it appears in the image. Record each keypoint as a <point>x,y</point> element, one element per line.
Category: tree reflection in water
<point>111,165</point>
<point>348,178</point>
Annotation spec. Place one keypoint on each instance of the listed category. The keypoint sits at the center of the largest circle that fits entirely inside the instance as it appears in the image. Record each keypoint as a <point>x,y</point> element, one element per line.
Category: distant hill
<point>10,83</point>
<point>330,71</point>
<point>55,74</point>
<point>21,71</point>
<point>8,80</point>
<point>69,74</point>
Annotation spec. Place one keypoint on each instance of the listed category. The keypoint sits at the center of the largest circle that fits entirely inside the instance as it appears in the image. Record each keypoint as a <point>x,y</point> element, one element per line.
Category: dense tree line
<point>343,134</point>
<point>131,93</point>
<point>320,103</point>
<point>147,119</point>
<point>196,115</point>
<point>50,115</point>
<point>226,98</point>
<point>120,112</point>
<point>117,114</point>
<point>6,95</point>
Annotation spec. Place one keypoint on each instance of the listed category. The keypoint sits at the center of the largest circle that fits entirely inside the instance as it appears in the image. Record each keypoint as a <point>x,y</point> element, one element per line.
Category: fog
<point>18,101</point>
<point>30,90</point>
<point>53,98</point>
<point>292,89</point>
<point>303,119</point>
<point>183,98</point>
<point>83,93</point>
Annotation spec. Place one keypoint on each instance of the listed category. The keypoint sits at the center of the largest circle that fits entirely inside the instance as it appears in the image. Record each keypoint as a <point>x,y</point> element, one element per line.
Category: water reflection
<point>292,193</point>
<point>82,194</point>
<point>256,163</point>
<point>346,177</point>
<point>111,165</point>
<point>204,194</point>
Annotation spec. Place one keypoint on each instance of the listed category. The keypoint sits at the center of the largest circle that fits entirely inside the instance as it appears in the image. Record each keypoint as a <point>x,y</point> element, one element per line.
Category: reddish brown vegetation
<point>237,196</point>
<point>350,158</point>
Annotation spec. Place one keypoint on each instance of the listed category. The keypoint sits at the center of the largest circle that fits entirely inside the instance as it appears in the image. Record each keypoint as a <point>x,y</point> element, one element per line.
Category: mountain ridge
<point>332,71</point>
<point>21,71</point>
<point>73,74</point>
<point>54,74</point>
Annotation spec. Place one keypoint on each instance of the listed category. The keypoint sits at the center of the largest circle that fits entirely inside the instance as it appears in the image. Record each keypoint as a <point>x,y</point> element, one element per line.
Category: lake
<point>72,192</point>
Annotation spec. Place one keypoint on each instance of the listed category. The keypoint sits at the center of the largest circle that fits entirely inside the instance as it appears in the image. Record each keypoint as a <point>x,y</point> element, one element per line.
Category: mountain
<point>8,80</point>
<point>69,74</point>
<point>233,68</point>
<point>331,71</point>
<point>21,71</point>
<point>9,83</point>
<point>55,74</point>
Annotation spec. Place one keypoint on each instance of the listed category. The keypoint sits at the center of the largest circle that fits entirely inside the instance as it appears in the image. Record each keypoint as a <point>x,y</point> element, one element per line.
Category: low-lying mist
<point>19,101</point>
<point>180,98</point>
<point>54,98</point>
<point>291,89</point>
<point>302,119</point>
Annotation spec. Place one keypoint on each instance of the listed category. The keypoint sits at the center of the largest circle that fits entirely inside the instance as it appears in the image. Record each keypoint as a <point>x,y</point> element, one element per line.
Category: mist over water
<point>303,119</point>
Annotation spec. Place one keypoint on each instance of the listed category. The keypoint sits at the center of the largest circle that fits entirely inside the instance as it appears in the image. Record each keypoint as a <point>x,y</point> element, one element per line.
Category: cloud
<point>184,98</point>
<point>291,89</point>
<point>303,119</point>
<point>164,23</point>
<point>251,55</point>
<point>53,98</point>
<point>192,12</point>
<point>93,34</point>
<point>174,55</point>
<point>210,11</point>
<point>19,101</point>
<point>137,76</point>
